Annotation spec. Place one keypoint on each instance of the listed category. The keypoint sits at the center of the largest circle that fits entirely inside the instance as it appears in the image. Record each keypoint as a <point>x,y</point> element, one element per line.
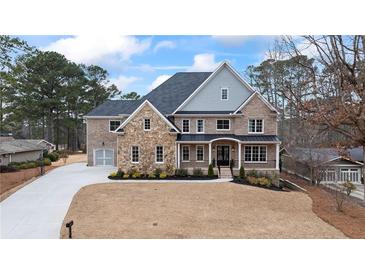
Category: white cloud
<point>122,82</point>
<point>164,44</point>
<point>93,49</point>
<point>231,40</point>
<point>158,81</point>
<point>204,62</point>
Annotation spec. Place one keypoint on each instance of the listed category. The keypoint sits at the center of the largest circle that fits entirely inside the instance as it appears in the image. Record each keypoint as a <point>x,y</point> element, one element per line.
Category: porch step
<point>225,173</point>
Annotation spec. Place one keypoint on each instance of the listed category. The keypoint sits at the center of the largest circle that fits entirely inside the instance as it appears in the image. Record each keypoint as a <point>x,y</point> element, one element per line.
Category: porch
<point>252,152</point>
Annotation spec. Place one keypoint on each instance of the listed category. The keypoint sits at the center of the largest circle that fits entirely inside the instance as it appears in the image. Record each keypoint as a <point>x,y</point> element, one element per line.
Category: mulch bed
<point>174,178</point>
<point>351,221</point>
<point>244,182</point>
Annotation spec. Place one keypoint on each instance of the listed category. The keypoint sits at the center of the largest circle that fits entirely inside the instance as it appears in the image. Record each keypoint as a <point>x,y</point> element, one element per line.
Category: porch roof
<point>191,138</point>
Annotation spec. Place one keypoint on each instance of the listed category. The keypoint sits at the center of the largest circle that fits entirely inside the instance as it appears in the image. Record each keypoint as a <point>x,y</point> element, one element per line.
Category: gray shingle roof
<point>205,112</point>
<point>16,146</point>
<point>166,97</point>
<point>244,138</point>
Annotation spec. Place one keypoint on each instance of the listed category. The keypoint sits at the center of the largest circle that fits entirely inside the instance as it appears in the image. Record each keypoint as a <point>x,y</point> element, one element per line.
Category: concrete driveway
<point>38,209</point>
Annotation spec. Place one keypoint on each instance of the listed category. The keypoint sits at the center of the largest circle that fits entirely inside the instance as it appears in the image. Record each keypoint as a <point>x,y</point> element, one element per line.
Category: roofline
<point>207,115</point>
<point>209,78</point>
<point>270,106</point>
<point>106,117</point>
<point>154,109</point>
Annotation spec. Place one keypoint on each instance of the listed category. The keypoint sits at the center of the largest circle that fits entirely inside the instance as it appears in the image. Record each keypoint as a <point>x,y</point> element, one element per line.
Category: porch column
<point>239,155</point>
<point>277,156</point>
<point>210,153</point>
<point>178,155</point>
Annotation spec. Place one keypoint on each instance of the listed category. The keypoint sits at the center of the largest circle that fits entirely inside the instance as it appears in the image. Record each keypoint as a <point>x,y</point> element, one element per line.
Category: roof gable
<point>209,91</point>
<point>146,102</point>
<point>260,97</point>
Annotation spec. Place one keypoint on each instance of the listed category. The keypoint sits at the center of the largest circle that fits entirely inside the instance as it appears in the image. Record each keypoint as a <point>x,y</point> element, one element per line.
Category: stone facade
<point>135,135</point>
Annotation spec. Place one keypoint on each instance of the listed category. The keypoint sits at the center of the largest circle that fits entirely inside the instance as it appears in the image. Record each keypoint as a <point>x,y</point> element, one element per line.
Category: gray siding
<point>209,97</point>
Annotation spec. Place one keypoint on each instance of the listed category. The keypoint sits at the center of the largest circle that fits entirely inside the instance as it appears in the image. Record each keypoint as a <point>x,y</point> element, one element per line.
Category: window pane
<point>186,153</point>
<point>147,124</point>
<point>159,154</point>
<point>113,125</point>
<point>186,125</point>
<point>200,153</point>
<point>200,126</point>
<point>263,154</point>
<point>251,125</point>
<point>135,154</point>
<point>255,153</point>
<point>247,153</point>
<point>222,124</point>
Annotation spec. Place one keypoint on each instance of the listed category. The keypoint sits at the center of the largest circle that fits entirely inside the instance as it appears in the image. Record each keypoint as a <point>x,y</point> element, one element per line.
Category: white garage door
<point>104,157</point>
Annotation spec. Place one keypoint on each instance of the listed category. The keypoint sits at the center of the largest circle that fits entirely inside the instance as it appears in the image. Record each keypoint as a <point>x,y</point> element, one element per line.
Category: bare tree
<point>337,99</point>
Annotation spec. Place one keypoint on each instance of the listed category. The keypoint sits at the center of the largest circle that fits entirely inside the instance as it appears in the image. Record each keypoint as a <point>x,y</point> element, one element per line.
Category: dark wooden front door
<point>223,155</point>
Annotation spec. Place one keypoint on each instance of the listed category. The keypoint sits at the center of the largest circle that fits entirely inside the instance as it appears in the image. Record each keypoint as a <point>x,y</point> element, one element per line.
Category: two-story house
<point>190,120</point>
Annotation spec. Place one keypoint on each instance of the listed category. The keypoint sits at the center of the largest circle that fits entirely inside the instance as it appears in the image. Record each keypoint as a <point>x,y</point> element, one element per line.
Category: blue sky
<point>139,63</point>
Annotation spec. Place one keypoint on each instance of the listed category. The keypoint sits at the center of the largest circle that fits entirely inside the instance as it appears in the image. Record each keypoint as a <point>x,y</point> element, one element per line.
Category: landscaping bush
<point>163,175</point>
<point>8,168</point>
<point>151,175</point>
<point>259,181</point>
<point>136,175</point>
<point>131,171</point>
<point>32,165</point>
<point>252,173</point>
<point>120,173</point>
<point>47,161</point>
<point>210,170</point>
<point>125,176</point>
<point>158,171</point>
<point>181,172</point>
<point>197,172</point>
<point>53,156</point>
<point>242,174</point>
<point>113,174</point>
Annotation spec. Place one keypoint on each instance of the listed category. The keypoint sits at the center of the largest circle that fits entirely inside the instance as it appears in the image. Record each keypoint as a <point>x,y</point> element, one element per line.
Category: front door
<point>223,155</point>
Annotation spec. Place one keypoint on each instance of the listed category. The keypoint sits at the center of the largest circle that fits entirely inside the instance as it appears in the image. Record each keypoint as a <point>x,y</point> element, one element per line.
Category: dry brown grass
<point>351,221</point>
<point>177,210</point>
<point>73,158</point>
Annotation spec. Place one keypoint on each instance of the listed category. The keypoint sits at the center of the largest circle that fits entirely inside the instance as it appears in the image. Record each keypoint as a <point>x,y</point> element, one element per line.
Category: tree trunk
<point>363,169</point>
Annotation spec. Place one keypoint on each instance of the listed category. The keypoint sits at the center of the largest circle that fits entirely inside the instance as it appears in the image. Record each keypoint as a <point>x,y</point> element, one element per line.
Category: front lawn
<point>188,210</point>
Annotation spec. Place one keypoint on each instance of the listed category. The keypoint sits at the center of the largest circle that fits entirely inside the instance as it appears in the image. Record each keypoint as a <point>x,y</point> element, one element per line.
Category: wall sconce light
<point>103,144</point>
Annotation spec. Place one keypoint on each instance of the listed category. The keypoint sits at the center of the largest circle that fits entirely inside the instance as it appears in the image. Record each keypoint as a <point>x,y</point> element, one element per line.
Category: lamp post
<point>42,163</point>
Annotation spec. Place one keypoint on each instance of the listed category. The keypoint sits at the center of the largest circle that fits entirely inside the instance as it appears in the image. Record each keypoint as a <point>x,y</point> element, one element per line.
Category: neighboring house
<point>6,136</point>
<point>329,164</point>
<point>19,150</point>
<point>190,120</point>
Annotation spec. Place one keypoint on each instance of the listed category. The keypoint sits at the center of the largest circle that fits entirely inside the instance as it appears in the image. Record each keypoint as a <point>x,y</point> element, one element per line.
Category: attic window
<point>147,124</point>
<point>224,93</point>
<point>113,125</point>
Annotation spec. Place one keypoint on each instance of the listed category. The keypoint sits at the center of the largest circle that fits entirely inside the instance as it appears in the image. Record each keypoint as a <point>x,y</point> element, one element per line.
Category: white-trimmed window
<point>186,153</point>
<point>200,153</point>
<point>113,125</point>
<point>159,154</point>
<point>135,154</point>
<point>255,154</point>
<point>349,174</point>
<point>224,93</point>
<point>147,124</point>
<point>255,126</point>
<point>200,126</point>
<point>186,125</point>
<point>223,124</point>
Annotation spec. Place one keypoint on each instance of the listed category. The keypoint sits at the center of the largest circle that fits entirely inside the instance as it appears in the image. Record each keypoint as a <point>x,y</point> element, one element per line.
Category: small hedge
<point>197,172</point>
<point>4,169</point>
<point>26,165</point>
<point>53,156</point>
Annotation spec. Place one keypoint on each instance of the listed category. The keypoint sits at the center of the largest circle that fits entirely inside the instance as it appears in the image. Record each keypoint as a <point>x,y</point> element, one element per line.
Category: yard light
<point>69,226</point>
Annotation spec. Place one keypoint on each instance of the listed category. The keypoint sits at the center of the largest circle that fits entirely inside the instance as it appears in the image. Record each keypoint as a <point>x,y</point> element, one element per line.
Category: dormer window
<point>255,126</point>
<point>224,93</point>
<point>147,124</point>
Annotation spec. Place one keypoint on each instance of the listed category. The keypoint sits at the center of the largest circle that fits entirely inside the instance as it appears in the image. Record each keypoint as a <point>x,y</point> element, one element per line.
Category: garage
<point>104,157</point>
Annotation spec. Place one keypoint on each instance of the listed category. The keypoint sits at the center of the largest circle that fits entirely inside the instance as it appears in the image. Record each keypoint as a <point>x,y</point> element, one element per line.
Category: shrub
<point>8,168</point>
<point>181,172</point>
<point>197,172</point>
<point>242,174</point>
<point>210,170</point>
<point>136,175</point>
<point>151,175</point>
<point>158,171</point>
<point>264,181</point>
<point>113,174</point>
<point>163,175</point>
<point>131,171</point>
<point>31,165</point>
<point>348,187</point>
<point>252,173</point>
<point>47,161</point>
<point>120,173</point>
<point>53,156</point>
<point>126,176</point>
